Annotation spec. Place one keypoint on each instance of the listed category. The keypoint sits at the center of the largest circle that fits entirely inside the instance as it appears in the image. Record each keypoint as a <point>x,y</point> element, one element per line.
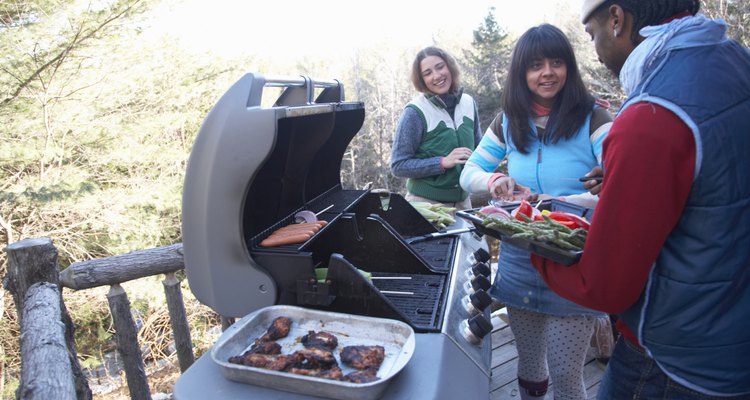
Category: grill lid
<point>249,167</point>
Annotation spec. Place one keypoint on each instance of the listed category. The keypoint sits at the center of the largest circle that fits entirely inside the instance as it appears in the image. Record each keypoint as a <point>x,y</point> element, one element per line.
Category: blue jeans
<point>631,374</point>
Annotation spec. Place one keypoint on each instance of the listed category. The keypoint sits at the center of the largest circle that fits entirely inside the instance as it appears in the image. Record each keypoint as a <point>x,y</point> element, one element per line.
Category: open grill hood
<point>252,166</point>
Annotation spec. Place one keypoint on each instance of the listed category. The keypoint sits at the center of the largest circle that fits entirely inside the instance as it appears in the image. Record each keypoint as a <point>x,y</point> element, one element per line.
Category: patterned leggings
<point>558,342</point>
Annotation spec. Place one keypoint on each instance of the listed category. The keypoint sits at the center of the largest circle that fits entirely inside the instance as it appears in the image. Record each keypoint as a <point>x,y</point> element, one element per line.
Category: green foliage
<point>94,331</point>
<point>94,148</point>
<point>485,66</point>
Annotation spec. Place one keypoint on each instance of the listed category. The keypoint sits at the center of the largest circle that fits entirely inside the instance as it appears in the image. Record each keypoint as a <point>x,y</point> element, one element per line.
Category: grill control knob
<point>478,282</point>
<point>482,255</point>
<point>476,302</point>
<point>481,268</point>
<point>481,282</point>
<point>476,328</point>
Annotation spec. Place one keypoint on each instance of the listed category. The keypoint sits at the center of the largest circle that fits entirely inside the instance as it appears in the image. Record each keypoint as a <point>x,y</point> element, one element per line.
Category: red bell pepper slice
<point>572,221</point>
<point>568,223</point>
<point>526,209</point>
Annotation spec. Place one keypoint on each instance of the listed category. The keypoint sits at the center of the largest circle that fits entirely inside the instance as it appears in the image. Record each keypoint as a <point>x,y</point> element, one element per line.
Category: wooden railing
<point>50,367</point>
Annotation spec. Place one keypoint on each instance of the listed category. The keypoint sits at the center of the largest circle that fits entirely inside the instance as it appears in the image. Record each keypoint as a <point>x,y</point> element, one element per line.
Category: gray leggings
<point>558,342</point>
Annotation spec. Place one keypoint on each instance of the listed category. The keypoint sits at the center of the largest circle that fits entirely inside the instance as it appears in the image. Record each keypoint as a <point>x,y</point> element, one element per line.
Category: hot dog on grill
<point>316,226</point>
<point>281,240</point>
<point>292,234</point>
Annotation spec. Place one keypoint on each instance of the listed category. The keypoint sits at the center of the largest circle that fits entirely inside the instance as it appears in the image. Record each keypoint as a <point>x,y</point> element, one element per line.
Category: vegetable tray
<point>544,249</point>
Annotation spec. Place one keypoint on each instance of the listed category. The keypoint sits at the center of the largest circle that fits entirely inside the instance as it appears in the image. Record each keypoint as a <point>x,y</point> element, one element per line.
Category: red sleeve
<point>649,161</point>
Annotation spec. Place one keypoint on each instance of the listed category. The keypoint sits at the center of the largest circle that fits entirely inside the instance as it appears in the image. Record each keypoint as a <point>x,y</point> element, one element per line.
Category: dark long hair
<point>416,70</point>
<point>573,103</point>
<point>651,12</point>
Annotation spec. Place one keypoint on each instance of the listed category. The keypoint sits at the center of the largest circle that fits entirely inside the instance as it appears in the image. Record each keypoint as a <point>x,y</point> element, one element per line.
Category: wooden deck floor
<point>505,361</point>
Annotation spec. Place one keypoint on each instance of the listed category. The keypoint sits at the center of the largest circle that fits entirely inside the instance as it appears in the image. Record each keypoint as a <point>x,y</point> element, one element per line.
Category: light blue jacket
<point>518,284</point>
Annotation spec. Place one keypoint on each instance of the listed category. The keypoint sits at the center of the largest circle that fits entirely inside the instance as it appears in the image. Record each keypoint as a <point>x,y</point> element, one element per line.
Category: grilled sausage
<point>281,240</point>
<point>294,227</point>
<point>277,234</point>
<point>315,226</point>
<point>295,230</point>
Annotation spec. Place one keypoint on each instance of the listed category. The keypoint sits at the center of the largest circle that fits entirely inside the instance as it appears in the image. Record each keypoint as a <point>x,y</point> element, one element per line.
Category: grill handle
<point>297,91</point>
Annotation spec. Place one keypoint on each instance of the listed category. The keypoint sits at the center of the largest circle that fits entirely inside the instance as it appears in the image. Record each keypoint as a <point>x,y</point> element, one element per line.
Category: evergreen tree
<point>486,64</point>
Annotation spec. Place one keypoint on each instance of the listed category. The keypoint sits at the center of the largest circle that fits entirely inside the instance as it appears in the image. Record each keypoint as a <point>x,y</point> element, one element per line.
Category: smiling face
<point>436,75</point>
<point>546,78</point>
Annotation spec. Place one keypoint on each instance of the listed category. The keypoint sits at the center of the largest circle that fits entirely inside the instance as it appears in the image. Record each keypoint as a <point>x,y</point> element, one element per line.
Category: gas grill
<point>253,167</point>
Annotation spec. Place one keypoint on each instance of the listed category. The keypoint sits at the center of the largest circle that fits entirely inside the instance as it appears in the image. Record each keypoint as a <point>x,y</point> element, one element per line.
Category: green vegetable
<point>438,215</point>
<point>322,273</point>
<point>556,225</point>
<point>546,230</point>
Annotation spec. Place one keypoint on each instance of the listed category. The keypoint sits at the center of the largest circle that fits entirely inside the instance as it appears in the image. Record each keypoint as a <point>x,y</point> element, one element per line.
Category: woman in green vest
<point>437,132</point>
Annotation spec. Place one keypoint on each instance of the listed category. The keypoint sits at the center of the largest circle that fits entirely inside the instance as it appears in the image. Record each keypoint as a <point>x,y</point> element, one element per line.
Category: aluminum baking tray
<point>395,336</point>
<point>546,250</point>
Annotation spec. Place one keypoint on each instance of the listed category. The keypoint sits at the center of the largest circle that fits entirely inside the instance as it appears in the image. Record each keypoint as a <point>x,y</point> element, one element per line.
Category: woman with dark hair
<point>550,131</point>
<point>436,133</point>
<point>676,160</point>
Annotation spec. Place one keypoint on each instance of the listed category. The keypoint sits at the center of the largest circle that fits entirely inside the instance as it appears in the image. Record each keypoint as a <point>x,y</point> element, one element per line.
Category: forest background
<point>100,101</point>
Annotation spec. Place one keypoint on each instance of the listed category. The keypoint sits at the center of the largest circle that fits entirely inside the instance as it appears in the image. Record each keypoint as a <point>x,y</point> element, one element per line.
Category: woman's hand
<point>459,155</point>
<point>593,186</point>
<point>506,188</point>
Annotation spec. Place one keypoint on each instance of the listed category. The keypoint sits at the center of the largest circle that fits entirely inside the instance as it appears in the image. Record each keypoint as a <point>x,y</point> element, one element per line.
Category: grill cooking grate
<point>417,296</point>
<point>438,252</point>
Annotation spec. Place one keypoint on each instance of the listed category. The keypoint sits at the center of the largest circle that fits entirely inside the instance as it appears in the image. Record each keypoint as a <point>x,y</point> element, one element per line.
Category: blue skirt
<point>519,285</point>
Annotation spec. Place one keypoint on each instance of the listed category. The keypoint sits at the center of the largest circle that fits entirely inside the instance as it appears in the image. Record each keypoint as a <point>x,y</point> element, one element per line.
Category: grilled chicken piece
<point>334,372</point>
<point>258,348</point>
<point>314,358</point>
<point>276,362</point>
<point>279,329</point>
<point>362,376</point>
<point>265,348</point>
<point>363,357</point>
<point>320,340</point>
<point>279,363</point>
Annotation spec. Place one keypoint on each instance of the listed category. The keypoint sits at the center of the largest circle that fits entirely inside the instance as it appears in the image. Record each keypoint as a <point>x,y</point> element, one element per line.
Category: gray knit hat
<point>588,7</point>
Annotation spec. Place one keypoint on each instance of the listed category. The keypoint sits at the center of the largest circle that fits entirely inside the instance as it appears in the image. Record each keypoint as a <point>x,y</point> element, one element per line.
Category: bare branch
<point>78,39</point>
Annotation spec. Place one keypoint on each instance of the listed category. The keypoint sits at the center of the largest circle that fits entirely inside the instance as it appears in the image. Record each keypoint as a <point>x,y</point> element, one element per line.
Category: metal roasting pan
<point>395,336</point>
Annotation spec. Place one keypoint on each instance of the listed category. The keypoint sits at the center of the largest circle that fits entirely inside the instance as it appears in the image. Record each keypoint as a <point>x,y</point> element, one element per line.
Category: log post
<point>35,260</point>
<point>46,372</point>
<point>29,261</point>
<point>127,343</point>
<point>178,320</point>
<point>122,268</point>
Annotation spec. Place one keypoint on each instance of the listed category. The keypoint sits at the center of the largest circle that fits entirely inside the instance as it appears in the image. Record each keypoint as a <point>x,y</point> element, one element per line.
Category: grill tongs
<point>434,235</point>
